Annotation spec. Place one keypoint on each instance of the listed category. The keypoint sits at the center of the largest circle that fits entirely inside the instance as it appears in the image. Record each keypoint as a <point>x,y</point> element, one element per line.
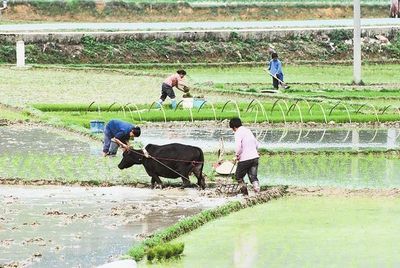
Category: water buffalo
<point>169,161</point>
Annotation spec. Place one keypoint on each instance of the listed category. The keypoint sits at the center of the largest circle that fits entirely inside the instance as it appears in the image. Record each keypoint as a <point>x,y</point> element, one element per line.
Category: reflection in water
<point>246,249</point>
<point>307,231</point>
<point>341,170</point>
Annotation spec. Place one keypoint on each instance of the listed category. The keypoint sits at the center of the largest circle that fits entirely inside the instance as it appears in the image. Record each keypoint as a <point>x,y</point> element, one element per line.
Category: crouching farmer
<point>175,80</point>
<point>117,131</point>
<point>246,146</point>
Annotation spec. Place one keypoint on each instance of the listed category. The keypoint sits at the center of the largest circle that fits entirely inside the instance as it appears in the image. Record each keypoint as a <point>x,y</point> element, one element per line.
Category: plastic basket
<point>97,126</point>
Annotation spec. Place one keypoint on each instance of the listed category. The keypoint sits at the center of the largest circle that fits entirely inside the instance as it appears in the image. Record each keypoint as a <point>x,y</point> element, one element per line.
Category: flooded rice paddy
<point>40,153</point>
<point>329,231</point>
<point>50,226</point>
<point>51,141</point>
<point>280,139</point>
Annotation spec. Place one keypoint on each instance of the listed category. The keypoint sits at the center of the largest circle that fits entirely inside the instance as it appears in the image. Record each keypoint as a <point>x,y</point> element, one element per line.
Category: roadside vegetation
<point>307,47</point>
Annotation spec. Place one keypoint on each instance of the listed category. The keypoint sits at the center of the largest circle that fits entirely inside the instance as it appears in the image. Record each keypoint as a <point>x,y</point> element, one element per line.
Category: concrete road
<point>192,26</point>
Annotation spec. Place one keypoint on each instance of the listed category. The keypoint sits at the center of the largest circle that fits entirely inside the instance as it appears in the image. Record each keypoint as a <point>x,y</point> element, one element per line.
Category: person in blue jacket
<point>275,70</point>
<point>117,130</point>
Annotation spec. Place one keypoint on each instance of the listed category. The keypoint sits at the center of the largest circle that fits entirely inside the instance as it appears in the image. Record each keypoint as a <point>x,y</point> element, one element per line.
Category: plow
<point>229,188</point>
<point>226,169</point>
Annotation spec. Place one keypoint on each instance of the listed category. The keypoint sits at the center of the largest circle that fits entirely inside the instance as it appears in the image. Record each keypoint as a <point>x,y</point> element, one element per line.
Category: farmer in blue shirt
<point>118,131</point>
<point>275,70</point>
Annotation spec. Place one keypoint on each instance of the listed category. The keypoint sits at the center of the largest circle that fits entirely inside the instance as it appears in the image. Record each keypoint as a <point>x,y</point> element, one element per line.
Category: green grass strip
<point>191,223</point>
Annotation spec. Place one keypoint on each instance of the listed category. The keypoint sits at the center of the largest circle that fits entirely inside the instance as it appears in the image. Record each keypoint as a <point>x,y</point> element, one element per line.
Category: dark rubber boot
<point>243,189</point>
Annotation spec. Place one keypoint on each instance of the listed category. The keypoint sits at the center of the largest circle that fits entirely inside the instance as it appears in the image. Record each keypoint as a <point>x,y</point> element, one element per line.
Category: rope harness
<point>147,155</point>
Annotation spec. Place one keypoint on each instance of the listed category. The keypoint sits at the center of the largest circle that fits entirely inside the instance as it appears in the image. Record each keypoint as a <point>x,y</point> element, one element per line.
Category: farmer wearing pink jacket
<point>175,80</point>
<point>246,146</point>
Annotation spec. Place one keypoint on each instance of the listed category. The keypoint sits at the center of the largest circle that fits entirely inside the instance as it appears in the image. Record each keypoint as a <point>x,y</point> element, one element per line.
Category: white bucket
<point>187,103</point>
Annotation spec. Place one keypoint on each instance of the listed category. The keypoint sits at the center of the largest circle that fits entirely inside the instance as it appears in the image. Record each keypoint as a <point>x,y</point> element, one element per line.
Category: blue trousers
<point>275,82</point>
<point>109,146</point>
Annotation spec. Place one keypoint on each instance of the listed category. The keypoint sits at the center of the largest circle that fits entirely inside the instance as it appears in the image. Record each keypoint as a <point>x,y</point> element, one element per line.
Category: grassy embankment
<point>9,114</point>
<point>316,47</point>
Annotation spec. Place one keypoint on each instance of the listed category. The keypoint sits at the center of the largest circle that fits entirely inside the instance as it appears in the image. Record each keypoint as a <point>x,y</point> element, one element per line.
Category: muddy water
<point>333,231</point>
<point>32,152</point>
<point>78,227</point>
<point>35,139</point>
<point>51,141</point>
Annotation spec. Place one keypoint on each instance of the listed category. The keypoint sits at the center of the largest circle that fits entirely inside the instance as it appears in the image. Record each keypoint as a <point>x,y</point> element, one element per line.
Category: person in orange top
<point>175,80</point>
